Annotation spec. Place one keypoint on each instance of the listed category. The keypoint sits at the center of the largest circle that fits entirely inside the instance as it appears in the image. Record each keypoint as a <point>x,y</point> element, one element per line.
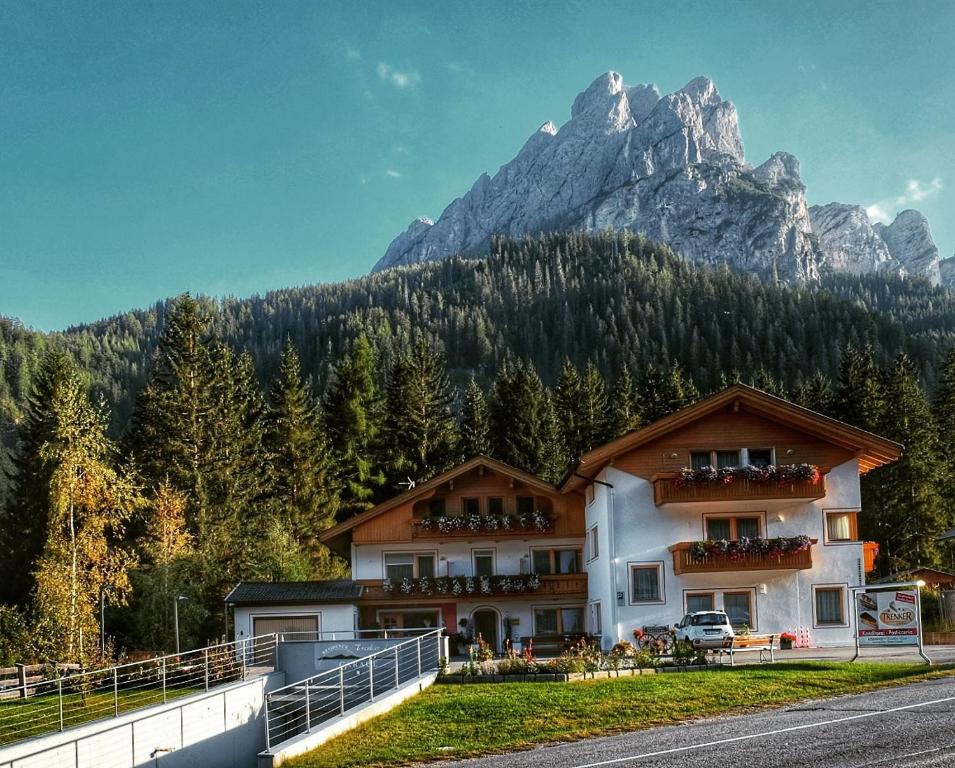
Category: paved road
<point>911,726</point>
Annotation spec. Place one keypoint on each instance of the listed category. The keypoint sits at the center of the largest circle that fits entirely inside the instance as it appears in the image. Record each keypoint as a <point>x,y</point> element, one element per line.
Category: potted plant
<point>786,640</point>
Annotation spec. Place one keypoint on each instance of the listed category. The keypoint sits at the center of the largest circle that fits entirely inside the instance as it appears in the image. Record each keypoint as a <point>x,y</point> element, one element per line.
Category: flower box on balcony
<point>469,525</point>
<point>783,553</point>
<point>461,586</point>
<point>791,481</point>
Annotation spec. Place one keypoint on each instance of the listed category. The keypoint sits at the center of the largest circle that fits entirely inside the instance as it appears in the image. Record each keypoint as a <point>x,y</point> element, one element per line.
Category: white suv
<point>705,629</point>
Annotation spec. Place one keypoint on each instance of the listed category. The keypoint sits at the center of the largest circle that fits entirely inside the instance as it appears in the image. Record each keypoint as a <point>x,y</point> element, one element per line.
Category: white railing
<point>59,702</point>
<point>299,707</point>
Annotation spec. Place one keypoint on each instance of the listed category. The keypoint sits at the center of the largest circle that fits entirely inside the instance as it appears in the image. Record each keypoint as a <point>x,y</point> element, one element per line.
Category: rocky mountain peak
<point>672,168</point>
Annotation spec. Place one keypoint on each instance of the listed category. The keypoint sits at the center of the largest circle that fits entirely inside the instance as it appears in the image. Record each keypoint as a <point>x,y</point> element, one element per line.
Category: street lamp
<point>175,618</point>
<point>103,589</point>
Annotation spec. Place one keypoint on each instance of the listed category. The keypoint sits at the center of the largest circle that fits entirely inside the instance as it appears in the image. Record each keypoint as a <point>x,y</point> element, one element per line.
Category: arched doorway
<point>487,622</point>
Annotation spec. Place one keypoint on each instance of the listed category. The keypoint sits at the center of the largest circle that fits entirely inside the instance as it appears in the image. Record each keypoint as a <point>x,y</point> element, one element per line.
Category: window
<point>409,565</point>
<point>470,506</point>
<point>738,607</point>
<point>646,583</point>
<point>483,562</point>
<point>760,457</point>
<point>841,526</point>
<point>596,620</point>
<point>727,459</point>
<point>558,621</point>
<point>830,606</point>
<point>525,505</point>
<point>593,546</point>
<point>547,561</point>
<point>436,507</point>
<point>699,459</point>
<point>702,601</point>
<point>735,527</point>
<point>495,505</point>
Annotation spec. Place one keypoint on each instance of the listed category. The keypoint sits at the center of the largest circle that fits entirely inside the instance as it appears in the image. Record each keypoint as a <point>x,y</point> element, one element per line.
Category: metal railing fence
<point>57,703</point>
<point>297,708</point>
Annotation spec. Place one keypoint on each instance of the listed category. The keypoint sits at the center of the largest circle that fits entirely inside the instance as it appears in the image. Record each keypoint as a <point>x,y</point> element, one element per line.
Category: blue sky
<point>230,148</point>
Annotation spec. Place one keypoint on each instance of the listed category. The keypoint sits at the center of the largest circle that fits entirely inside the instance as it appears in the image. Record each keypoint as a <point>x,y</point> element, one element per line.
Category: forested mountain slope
<point>614,298</point>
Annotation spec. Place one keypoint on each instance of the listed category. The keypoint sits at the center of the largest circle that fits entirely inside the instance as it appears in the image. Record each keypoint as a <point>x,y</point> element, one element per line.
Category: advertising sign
<point>888,617</point>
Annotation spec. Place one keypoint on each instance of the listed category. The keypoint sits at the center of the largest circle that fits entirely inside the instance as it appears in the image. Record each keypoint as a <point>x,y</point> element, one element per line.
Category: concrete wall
<point>331,618</point>
<point>642,533</point>
<point>219,729</point>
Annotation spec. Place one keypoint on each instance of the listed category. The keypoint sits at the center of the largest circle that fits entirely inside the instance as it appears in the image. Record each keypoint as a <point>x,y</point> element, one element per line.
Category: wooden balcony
<point>870,551</point>
<point>666,490</point>
<point>684,561</point>
<point>419,531</point>
<point>555,585</point>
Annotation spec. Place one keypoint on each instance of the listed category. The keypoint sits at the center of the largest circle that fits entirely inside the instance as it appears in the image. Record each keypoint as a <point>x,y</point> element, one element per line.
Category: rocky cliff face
<point>671,168</point>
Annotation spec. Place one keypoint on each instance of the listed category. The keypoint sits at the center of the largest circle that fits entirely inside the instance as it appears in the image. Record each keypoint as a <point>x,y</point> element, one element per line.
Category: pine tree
<point>420,433</point>
<point>623,410</point>
<point>904,509</point>
<point>475,432</point>
<point>88,506</point>
<point>353,417</point>
<point>24,526</point>
<point>860,397</point>
<point>303,490</point>
<point>592,409</point>
<point>943,408</point>
<point>816,394</point>
<point>567,401</point>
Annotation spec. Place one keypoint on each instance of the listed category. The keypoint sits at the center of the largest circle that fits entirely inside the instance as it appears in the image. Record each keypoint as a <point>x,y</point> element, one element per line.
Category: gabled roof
<point>873,451</point>
<point>435,482</point>
<point>292,592</point>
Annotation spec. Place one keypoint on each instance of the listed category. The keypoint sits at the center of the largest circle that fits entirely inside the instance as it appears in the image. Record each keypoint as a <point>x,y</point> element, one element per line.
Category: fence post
<point>59,695</point>
<point>22,679</point>
<point>396,667</point>
<point>341,686</point>
<point>245,650</point>
<point>418,647</point>
<point>268,741</point>
<point>206,655</point>
<point>115,692</point>
<point>308,713</point>
<point>163,678</point>
<point>371,678</point>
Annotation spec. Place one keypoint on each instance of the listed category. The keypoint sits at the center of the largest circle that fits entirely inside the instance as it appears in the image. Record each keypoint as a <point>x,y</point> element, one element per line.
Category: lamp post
<point>103,589</point>
<point>175,618</point>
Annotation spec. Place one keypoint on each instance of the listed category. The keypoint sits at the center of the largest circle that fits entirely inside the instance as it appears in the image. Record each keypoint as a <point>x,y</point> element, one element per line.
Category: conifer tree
<point>592,409</point>
<point>623,410</point>
<point>816,393</point>
<point>24,524</point>
<point>943,408</point>
<point>567,401</point>
<point>860,397</point>
<point>420,433</point>
<point>302,489</point>
<point>904,509</point>
<point>475,432</point>
<point>353,418</point>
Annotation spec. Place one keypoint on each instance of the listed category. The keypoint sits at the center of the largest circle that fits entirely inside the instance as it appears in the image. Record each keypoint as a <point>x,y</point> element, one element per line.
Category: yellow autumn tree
<point>89,503</point>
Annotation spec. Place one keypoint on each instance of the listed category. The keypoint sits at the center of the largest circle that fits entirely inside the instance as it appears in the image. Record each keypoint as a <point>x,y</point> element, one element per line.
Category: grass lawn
<point>467,720</point>
<point>20,718</point>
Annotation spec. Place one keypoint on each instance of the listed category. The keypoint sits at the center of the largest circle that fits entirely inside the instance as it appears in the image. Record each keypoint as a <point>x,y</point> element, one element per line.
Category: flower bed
<point>537,521</point>
<point>457,586</point>
<point>783,474</point>
<point>739,548</point>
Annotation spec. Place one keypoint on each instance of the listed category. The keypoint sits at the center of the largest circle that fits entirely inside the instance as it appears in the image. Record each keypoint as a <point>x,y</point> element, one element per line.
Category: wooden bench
<point>764,644</point>
<point>555,645</point>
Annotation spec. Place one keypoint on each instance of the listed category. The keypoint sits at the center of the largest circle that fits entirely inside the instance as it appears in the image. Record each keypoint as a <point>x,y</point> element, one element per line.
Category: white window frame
<point>853,527</point>
<point>661,582</point>
<point>414,555</point>
<point>844,588</point>
<point>594,618</point>
<point>483,552</point>
<point>592,544</point>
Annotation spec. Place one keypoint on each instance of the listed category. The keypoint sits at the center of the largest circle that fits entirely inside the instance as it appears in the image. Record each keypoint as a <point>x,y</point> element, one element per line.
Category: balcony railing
<point>686,560</point>
<point>668,490</point>
<point>483,526</point>
<point>469,587</point>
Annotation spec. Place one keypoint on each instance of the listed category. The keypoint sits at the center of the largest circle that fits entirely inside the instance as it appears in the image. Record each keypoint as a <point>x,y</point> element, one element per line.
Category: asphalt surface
<point>911,726</point>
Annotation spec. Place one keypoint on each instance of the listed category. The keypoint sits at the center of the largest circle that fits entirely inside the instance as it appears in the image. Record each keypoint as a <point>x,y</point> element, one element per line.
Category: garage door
<point>304,627</point>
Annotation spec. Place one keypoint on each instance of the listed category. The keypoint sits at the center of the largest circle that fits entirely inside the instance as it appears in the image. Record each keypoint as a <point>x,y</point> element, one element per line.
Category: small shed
<point>304,610</point>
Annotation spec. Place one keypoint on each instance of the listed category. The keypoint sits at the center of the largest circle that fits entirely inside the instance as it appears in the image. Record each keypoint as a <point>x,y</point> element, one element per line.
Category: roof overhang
<point>871,450</point>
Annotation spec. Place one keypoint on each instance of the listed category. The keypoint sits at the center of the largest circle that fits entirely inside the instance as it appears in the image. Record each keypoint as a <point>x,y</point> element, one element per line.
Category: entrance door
<point>485,624</point>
